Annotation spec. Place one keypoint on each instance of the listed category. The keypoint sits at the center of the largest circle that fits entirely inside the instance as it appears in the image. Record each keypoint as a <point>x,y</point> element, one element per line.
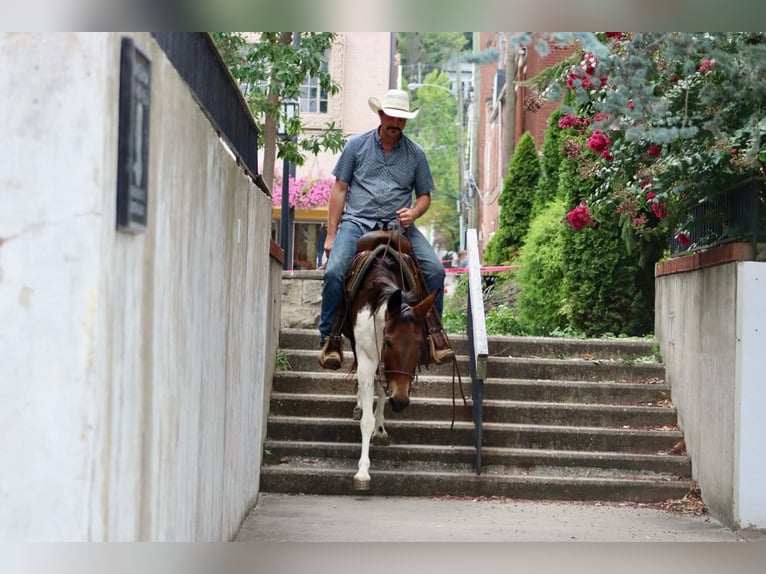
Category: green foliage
<point>683,118</point>
<point>541,273</point>
<point>519,189</point>
<point>496,252</point>
<point>503,320</point>
<point>455,322</point>
<point>603,285</point>
<point>421,52</point>
<point>435,129</point>
<point>550,160</point>
<point>270,70</point>
<point>280,361</point>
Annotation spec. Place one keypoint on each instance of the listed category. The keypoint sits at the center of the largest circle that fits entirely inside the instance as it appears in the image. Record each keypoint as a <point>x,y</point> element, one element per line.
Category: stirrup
<point>440,354</point>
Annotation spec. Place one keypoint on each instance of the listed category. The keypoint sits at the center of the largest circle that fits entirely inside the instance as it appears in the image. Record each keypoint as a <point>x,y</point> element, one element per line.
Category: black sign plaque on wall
<point>133,138</point>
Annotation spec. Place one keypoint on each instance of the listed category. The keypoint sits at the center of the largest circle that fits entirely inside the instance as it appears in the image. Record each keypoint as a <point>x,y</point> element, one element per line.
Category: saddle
<point>376,243</point>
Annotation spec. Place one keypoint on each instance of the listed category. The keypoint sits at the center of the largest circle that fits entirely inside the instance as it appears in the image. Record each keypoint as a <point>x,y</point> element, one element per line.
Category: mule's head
<point>403,341</point>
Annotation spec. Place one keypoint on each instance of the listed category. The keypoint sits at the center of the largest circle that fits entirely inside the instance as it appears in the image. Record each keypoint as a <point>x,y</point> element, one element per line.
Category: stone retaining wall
<point>301,299</point>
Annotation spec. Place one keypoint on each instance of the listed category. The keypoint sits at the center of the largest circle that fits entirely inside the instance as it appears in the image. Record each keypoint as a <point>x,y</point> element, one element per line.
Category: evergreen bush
<point>540,304</point>
<point>519,189</point>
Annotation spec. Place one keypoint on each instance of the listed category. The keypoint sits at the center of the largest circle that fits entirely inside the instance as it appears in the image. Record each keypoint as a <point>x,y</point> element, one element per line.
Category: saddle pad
<point>361,264</point>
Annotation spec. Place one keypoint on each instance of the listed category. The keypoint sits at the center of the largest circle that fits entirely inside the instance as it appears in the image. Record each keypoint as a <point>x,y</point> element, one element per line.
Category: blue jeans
<point>343,251</point>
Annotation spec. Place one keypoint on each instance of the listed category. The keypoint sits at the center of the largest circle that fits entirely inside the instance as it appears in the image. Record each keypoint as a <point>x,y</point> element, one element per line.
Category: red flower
<point>569,121</point>
<point>683,239</point>
<point>707,66</point>
<point>599,142</point>
<point>654,150</point>
<point>650,195</point>
<point>580,217</point>
<point>660,209</point>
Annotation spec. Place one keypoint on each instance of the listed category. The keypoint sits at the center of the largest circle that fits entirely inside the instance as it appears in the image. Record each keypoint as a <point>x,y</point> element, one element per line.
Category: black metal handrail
<point>477,339</point>
<point>197,60</point>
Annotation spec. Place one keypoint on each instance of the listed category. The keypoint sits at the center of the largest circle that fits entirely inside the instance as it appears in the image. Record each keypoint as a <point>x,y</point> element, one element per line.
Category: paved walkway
<point>299,518</point>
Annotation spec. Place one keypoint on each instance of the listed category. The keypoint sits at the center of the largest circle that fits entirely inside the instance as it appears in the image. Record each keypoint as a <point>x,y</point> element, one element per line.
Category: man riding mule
<point>375,176</point>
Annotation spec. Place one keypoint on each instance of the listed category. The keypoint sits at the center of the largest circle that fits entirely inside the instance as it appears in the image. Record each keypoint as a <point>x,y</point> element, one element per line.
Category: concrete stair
<point>563,419</point>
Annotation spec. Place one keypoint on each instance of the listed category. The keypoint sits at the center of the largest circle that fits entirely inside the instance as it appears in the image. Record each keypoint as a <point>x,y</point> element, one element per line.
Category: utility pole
<point>461,154</point>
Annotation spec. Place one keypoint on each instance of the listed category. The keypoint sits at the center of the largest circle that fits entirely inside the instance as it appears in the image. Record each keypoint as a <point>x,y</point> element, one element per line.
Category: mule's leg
<point>380,436</point>
<point>365,373</point>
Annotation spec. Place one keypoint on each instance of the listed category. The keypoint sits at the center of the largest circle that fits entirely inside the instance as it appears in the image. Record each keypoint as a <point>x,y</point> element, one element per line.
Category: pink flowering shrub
<point>661,122</point>
<point>305,192</point>
<point>580,217</point>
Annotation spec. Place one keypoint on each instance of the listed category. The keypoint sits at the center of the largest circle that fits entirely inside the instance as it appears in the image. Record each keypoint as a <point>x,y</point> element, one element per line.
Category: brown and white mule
<point>387,337</point>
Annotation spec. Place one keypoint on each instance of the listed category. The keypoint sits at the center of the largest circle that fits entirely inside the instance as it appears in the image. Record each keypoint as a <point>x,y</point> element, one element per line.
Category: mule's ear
<point>394,306</point>
<point>422,308</point>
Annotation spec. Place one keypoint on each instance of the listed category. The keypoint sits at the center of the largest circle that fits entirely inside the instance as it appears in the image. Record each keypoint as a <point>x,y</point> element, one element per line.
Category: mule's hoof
<point>381,439</point>
<point>361,485</point>
<point>357,413</point>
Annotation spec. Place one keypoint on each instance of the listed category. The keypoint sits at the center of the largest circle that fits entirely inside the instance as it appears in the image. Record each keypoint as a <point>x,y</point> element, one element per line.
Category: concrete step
<point>563,419</point>
<point>429,385</point>
<point>512,367</point>
<point>502,346</point>
<point>649,441</point>
<point>328,478</point>
<point>674,465</point>
<point>500,411</point>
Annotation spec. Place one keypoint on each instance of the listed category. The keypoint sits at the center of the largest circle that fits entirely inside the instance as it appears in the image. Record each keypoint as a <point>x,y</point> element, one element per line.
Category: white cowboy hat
<point>396,103</point>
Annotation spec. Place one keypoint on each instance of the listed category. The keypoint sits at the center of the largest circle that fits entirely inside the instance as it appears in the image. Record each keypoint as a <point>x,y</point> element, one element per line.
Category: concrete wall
<point>134,367</point>
<point>711,325</point>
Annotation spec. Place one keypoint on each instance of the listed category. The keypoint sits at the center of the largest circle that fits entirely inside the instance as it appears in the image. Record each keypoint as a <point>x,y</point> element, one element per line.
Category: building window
<point>313,98</point>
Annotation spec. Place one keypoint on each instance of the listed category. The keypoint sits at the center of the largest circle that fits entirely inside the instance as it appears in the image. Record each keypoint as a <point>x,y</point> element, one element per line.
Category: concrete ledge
<point>715,256</point>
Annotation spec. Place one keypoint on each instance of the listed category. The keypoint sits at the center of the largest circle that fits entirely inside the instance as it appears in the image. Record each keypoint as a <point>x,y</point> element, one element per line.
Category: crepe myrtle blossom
<point>580,217</point>
<point>305,192</point>
<point>683,239</point>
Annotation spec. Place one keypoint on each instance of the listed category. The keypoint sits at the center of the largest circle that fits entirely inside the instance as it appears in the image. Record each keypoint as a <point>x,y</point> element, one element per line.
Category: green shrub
<point>551,156</point>
<point>502,320</point>
<point>515,201</point>
<point>603,283</point>
<point>540,304</point>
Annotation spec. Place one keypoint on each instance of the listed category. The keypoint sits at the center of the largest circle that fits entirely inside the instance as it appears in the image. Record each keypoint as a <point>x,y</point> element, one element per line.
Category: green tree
<point>541,273</point>
<point>422,52</point>
<point>271,69</point>
<point>606,289</point>
<point>519,189</point>
<point>551,156</point>
<point>435,129</point>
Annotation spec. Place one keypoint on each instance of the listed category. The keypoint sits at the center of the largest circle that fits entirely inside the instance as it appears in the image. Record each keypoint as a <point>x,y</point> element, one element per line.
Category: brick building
<point>498,130</point>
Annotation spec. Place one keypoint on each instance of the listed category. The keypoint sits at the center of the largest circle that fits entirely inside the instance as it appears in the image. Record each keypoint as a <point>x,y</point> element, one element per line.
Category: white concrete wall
<point>711,324</point>
<point>134,367</point>
<point>750,454</point>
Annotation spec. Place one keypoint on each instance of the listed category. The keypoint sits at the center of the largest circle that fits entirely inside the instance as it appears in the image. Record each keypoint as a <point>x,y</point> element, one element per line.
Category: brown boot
<point>331,356</point>
<point>439,346</point>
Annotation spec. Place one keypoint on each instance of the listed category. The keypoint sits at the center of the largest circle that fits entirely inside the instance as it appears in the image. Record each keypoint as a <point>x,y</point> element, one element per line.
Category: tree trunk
<point>509,110</point>
<point>270,128</point>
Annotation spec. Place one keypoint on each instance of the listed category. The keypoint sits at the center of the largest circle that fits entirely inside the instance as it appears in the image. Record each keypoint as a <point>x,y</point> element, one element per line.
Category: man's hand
<point>406,216</point>
<point>328,241</point>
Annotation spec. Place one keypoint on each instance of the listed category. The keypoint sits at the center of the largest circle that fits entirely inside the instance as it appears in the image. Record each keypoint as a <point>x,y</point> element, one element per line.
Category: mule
<point>387,338</point>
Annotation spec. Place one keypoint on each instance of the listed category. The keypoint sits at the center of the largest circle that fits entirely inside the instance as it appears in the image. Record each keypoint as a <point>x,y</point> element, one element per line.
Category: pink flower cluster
<point>585,74</point>
<point>305,193</point>
<point>683,239</point>
<point>599,142</point>
<point>580,217</point>
<point>659,208</point>
<point>616,36</point>
<point>707,66</point>
<point>569,121</point>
